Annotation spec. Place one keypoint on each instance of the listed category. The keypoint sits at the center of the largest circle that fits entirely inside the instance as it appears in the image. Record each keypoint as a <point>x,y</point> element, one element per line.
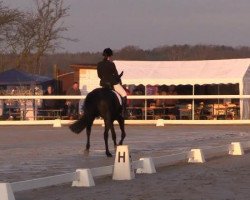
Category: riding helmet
<point>107,52</point>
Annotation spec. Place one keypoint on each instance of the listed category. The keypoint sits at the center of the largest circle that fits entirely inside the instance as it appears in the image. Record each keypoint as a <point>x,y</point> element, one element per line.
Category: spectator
<point>171,104</point>
<point>137,102</point>
<point>73,104</point>
<point>171,91</point>
<point>49,104</point>
<point>162,102</point>
<point>151,90</point>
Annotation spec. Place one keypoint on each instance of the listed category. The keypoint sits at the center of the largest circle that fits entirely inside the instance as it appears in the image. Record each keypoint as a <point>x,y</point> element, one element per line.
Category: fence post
<point>160,122</point>
<point>148,166</point>
<point>85,178</point>
<point>123,166</point>
<point>57,123</point>
<point>6,192</point>
<point>235,149</point>
<point>196,156</point>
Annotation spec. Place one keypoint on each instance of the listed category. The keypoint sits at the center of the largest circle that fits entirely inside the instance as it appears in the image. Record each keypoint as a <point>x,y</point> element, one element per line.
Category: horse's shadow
<point>101,102</point>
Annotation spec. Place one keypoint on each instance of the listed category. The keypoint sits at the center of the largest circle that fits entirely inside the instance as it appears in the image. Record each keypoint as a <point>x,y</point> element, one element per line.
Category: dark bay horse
<point>101,102</point>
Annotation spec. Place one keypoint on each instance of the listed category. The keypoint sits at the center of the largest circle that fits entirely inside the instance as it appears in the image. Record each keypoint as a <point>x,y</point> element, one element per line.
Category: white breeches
<point>119,89</point>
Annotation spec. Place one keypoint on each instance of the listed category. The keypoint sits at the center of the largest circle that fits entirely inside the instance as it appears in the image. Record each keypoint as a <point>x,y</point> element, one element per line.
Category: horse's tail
<point>79,125</point>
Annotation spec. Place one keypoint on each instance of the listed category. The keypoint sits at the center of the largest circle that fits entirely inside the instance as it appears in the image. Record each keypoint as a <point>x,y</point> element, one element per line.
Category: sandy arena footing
<point>37,151</point>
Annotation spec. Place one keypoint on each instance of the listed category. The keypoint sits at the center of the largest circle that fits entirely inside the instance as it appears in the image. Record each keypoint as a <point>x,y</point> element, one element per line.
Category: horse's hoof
<point>86,152</point>
<point>108,154</point>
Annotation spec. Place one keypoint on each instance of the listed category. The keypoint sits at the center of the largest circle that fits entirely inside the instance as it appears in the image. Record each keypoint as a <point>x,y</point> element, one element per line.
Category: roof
<point>84,66</point>
<point>184,72</point>
<point>18,77</point>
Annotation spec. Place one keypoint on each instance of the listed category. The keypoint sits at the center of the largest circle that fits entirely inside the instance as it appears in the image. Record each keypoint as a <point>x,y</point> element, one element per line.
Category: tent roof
<point>184,72</point>
<point>18,77</point>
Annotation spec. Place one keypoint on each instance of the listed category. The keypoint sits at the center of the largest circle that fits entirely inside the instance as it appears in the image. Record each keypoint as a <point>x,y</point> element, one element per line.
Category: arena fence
<point>135,97</point>
<point>84,177</point>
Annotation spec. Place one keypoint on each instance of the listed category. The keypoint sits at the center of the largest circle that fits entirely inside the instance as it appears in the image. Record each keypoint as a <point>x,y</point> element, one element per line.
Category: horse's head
<point>119,77</point>
<point>121,74</point>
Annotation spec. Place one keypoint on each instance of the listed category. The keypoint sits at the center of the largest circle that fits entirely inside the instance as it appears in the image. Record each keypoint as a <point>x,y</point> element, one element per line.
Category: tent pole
<point>145,103</point>
<point>241,101</point>
<point>193,105</point>
<point>218,95</point>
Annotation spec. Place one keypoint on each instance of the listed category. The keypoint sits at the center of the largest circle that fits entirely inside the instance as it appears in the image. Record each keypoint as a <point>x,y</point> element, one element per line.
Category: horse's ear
<point>121,74</point>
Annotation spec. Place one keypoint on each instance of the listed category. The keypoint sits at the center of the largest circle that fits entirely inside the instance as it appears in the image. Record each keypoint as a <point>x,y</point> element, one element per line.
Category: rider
<point>108,74</point>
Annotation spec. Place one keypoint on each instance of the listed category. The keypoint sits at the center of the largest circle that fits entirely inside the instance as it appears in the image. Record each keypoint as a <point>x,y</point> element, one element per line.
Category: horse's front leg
<point>106,135</point>
<point>88,132</point>
<point>122,127</point>
<point>113,135</point>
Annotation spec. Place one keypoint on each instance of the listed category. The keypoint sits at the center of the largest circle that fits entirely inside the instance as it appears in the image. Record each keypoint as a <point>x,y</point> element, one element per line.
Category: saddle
<point>110,87</point>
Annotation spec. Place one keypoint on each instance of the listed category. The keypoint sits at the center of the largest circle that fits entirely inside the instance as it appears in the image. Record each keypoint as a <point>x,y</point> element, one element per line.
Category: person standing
<point>109,78</point>
<point>73,104</point>
<point>49,104</point>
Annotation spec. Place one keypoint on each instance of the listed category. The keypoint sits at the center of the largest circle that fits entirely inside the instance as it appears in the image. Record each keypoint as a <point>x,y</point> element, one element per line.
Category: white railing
<point>138,97</point>
<point>145,97</point>
<point>44,182</point>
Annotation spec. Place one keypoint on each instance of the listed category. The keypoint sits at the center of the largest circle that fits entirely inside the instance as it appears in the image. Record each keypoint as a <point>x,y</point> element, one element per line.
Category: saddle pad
<point>118,96</point>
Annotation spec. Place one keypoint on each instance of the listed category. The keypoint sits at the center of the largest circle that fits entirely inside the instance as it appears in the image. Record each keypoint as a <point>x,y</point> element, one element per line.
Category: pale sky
<point>150,23</point>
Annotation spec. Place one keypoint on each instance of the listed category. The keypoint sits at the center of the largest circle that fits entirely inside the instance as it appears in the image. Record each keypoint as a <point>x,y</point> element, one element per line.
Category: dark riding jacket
<point>108,74</point>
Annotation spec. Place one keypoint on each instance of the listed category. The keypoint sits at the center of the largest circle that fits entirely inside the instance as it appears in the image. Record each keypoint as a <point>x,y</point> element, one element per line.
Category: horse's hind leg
<point>88,132</point>
<point>122,127</point>
<point>106,136</point>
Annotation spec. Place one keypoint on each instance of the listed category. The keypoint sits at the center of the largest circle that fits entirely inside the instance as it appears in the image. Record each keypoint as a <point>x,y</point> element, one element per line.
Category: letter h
<point>121,156</point>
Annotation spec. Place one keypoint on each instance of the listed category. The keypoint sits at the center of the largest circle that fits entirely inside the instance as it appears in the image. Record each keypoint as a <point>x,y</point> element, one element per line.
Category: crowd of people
<point>70,107</point>
<point>135,107</point>
<point>165,106</point>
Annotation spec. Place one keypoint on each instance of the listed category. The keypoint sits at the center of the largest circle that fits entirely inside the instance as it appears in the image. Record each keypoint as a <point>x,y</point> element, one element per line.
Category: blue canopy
<point>18,77</point>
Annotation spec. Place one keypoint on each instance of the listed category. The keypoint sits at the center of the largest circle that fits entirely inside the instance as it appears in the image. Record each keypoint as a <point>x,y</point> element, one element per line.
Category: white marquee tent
<point>230,71</point>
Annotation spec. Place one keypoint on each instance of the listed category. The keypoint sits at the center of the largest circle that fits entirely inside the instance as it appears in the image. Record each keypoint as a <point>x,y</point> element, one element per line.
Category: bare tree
<point>21,40</point>
<point>37,33</point>
<point>49,27</point>
<point>8,17</point>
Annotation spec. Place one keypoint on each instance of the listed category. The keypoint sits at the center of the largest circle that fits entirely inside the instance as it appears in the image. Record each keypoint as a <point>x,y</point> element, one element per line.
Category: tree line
<point>164,53</point>
<point>29,41</point>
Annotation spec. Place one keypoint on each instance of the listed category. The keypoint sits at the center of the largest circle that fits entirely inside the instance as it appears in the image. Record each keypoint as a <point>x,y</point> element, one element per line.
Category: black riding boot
<point>124,106</point>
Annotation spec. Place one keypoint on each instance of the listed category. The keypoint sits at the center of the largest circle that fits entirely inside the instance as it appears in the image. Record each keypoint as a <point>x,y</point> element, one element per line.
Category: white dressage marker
<point>160,122</point>
<point>6,192</point>
<point>57,123</point>
<point>123,167</point>
<point>85,178</point>
<point>148,166</point>
<point>196,156</point>
<point>235,149</point>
